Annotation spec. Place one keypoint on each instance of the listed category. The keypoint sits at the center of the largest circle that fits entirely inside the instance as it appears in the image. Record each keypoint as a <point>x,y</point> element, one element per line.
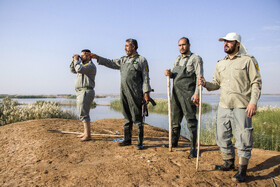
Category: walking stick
<point>169,113</point>
<point>199,125</point>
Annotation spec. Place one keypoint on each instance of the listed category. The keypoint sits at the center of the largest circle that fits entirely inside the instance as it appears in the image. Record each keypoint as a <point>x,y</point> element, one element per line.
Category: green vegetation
<point>266,133</point>
<point>207,134</point>
<point>160,108</point>
<point>10,112</point>
<point>116,105</point>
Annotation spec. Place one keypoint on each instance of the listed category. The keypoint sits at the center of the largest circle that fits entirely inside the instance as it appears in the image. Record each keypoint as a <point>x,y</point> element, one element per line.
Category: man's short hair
<point>188,41</point>
<point>133,42</point>
<point>86,50</point>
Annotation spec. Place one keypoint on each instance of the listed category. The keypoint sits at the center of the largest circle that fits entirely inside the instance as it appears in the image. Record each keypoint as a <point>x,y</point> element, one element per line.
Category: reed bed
<point>160,108</point>
<point>11,112</point>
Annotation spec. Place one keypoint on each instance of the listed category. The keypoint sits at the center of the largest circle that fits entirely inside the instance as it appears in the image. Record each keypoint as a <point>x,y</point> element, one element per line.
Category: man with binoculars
<point>84,86</point>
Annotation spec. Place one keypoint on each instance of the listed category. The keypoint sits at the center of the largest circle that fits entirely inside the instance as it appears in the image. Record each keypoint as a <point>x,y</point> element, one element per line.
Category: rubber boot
<point>175,136</point>
<point>240,176</point>
<point>227,166</point>
<point>127,136</point>
<point>193,151</point>
<point>140,137</point>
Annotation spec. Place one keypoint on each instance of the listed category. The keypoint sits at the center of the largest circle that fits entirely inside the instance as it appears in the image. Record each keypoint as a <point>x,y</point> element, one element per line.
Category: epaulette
<point>142,58</point>
<point>251,56</point>
<point>196,55</point>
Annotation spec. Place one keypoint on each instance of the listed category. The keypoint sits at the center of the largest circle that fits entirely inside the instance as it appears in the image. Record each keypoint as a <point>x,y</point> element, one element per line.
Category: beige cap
<point>232,36</point>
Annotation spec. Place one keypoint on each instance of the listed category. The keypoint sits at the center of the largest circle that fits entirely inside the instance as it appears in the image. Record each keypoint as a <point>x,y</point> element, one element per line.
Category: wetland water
<point>157,120</point>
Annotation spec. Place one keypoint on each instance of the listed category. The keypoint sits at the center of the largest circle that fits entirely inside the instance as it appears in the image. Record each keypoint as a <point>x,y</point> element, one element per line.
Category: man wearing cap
<point>239,78</point>
<point>185,94</point>
<point>84,85</point>
<point>135,86</point>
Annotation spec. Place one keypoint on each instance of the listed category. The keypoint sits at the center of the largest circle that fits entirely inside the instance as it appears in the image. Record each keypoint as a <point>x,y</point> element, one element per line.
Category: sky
<point>38,39</point>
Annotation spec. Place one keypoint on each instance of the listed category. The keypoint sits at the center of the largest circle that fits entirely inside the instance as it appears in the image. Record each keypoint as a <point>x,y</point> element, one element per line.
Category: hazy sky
<point>38,38</point>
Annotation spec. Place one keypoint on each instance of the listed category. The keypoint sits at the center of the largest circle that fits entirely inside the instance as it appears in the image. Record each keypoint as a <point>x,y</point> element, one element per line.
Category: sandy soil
<point>32,156</point>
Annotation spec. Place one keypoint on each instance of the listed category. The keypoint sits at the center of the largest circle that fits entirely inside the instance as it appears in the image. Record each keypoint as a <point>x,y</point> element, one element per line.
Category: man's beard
<point>230,50</point>
<point>184,52</point>
<point>84,61</point>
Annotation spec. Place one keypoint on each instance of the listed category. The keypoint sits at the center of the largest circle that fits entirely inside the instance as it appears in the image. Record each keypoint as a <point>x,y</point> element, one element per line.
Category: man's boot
<point>227,166</point>
<point>127,136</point>
<point>242,169</point>
<point>193,151</point>
<point>241,174</point>
<point>175,136</point>
<point>140,137</point>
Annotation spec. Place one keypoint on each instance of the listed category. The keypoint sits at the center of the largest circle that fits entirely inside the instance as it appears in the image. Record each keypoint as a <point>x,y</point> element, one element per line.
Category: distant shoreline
<point>71,96</point>
<point>66,96</point>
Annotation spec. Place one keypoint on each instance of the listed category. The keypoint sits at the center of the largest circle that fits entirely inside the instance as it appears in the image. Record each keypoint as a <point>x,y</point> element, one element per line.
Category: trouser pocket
<point>247,137</point>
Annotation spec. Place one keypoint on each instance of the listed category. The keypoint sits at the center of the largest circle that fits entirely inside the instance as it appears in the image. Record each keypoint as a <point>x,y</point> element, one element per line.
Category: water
<point>157,120</point>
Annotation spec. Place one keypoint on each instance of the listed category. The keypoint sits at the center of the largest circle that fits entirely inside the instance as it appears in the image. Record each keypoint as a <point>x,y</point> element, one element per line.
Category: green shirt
<point>239,79</point>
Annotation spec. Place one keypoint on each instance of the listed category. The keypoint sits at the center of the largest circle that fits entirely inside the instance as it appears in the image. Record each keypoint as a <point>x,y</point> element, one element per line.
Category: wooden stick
<point>199,125</point>
<point>169,113</point>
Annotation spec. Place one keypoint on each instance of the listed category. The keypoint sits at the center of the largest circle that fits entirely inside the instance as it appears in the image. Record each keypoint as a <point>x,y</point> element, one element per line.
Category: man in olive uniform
<point>239,78</point>
<point>134,81</point>
<point>84,85</point>
<point>185,95</point>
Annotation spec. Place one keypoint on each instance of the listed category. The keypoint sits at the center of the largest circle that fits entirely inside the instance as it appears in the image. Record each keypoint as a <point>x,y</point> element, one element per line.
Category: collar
<point>238,54</point>
<point>188,55</point>
<point>135,56</point>
<point>86,62</point>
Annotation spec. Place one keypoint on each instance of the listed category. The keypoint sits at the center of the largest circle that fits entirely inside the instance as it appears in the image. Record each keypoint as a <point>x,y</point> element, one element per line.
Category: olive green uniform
<point>134,81</point>
<point>84,86</point>
<point>240,82</point>
<point>185,72</point>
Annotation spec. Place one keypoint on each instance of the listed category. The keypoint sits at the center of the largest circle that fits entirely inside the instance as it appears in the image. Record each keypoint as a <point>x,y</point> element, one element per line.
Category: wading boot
<point>175,136</point>
<point>125,143</point>
<point>127,137</point>
<point>227,166</point>
<point>241,174</point>
<point>193,153</point>
<point>139,146</point>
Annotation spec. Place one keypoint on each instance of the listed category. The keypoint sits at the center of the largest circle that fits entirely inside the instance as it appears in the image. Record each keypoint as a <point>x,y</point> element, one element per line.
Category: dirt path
<point>32,156</point>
